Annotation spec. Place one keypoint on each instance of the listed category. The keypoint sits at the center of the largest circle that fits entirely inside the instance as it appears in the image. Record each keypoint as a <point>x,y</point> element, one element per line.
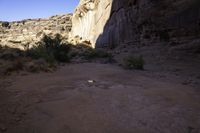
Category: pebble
<point>17,119</point>
<point>185,83</point>
<point>38,100</point>
<point>3,128</point>
<point>91,81</point>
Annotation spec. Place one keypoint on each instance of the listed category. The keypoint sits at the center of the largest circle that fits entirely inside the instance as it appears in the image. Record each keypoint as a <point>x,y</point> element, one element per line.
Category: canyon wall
<point>89,19</point>
<point>108,23</point>
<point>26,33</point>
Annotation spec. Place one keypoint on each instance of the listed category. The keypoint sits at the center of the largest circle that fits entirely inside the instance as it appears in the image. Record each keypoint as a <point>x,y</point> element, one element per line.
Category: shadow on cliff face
<point>165,33</point>
<point>147,21</point>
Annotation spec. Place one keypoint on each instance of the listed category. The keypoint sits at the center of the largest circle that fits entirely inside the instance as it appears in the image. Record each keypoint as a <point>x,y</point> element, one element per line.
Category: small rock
<point>198,77</point>
<point>38,100</point>
<point>117,52</point>
<point>3,128</point>
<point>186,83</point>
<point>120,64</point>
<point>91,81</point>
<point>190,129</point>
<point>177,70</point>
<point>17,119</point>
<point>23,113</point>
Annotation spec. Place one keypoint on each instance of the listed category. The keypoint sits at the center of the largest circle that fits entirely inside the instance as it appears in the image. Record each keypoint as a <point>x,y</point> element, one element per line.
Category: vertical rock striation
<point>113,22</point>
<point>89,19</point>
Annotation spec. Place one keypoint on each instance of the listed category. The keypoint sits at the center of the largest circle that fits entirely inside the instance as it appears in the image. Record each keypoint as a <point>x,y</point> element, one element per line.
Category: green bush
<point>134,63</point>
<point>61,53</point>
<point>51,49</point>
<point>45,55</point>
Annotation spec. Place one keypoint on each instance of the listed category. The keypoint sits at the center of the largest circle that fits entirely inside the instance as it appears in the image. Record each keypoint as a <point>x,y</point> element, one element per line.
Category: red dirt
<point>118,101</point>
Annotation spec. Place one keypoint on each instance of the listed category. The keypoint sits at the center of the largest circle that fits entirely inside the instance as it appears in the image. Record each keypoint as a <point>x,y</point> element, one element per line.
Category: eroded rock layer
<point>114,22</point>
<point>26,33</point>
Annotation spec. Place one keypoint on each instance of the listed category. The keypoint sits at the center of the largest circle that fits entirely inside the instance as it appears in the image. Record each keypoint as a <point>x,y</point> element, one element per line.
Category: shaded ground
<point>118,101</point>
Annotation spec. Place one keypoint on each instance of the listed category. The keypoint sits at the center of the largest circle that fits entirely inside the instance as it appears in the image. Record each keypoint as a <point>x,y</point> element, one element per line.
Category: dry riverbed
<point>98,98</point>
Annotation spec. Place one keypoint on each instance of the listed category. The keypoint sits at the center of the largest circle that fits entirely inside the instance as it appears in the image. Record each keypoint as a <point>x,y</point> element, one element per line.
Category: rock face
<point>89,19</point>
<point>114,22</point>
<point>109,23</point>
<point>24,34</point>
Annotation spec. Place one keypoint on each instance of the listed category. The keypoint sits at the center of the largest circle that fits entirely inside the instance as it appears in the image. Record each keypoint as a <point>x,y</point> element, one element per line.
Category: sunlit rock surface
<point>113,22</point>
<point>89,19</point>
<point>24,34</point>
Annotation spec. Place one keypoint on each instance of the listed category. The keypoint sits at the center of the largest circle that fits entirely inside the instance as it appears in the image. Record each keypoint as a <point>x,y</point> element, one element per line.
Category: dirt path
<point>118,101</point>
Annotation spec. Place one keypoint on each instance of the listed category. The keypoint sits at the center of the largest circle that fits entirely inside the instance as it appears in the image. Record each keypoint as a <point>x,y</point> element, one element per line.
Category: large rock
<point>114,22</point>
<point>26,33</point>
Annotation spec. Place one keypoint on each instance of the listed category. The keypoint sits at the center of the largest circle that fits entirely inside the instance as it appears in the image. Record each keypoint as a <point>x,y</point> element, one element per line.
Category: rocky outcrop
<point>114,22</point>
<point>110,23</point>
<point>89,19</point>
<point>24,34</point>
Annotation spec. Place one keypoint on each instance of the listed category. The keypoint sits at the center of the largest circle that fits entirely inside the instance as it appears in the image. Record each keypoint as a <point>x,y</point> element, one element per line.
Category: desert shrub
<point>45,55</point>
<point>13,67</point>
<point>134,62</point>
<point>40,52</point>
<point>95,53</point>
<point>42,57</point>
<point>81,52</point>
<point>5,24</point>
<point>10,53</point>
<point>39,65</point>
<point>61,53</point>
<point>51,49</point>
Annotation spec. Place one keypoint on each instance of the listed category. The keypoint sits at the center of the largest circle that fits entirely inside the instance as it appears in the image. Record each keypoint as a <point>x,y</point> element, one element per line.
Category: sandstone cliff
<point>26,33</point>
<point>89,19</point>
<point>113,22</point>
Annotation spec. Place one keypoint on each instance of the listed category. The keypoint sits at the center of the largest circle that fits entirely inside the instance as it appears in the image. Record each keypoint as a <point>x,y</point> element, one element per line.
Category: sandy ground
<point>115,101</point>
